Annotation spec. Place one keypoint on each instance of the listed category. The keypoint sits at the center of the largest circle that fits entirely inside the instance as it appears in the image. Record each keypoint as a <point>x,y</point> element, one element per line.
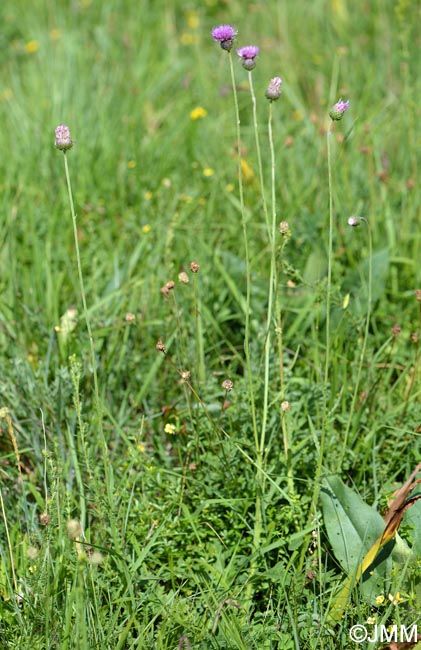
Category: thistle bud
<point>337,111</point>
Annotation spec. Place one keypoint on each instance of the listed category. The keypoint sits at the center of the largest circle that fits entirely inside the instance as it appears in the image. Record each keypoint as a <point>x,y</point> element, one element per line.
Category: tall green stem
<point>82,291</point>
<point>366,330</point>
<point>247,257</point>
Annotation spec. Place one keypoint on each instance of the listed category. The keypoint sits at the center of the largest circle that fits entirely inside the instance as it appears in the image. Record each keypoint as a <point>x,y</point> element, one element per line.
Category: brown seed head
<point>285,406</point>
<point>160,346</point>
<point>396,330</point>
<point>227,385</point>
<point>194,267</point>
<point>44,519</point>
<point>170,285</point>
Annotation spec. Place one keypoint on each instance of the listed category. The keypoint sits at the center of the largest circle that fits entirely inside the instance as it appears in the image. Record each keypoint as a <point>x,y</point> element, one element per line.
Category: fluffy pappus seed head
<point>63,140</point>
<point>73,528</point>
<point>284,227</point>
<point>183,277</point>
<point>273,91</point>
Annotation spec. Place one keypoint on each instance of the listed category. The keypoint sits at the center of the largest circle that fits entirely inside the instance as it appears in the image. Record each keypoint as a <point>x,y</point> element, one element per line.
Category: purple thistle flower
<point>225,36</point>
<point>247,55</point>
<point>63,139</point>
<point>337,111</point>
<point>273,91</point>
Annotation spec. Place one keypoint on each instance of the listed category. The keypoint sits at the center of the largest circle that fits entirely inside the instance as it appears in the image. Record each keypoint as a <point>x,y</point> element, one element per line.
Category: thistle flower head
<point>63,140</point>
<point>273,91</point>
<point>225,36</point>
<point>337,111</point>
<point>247,55</point>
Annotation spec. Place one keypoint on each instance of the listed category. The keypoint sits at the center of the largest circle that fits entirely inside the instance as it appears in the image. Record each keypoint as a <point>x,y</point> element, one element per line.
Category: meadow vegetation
<point>222,484</point>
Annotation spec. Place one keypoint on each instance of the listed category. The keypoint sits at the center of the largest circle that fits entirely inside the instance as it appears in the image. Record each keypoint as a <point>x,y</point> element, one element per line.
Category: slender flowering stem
<point>325,418</point>
<point>82,289</point>
<point>247,256</point>
<point>259,153</point>
<point>366,330</point>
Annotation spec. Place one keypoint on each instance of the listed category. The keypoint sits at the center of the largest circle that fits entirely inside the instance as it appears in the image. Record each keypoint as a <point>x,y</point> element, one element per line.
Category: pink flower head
<point>63,140</point>
<point>337,111</point>
<point>225,36</point>
<point>273,91</point>
<point>354,221</point>
<point>247,55</point>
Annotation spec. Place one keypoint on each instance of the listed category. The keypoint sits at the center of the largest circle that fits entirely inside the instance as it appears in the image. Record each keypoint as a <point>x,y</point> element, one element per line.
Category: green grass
<point>206,539</point>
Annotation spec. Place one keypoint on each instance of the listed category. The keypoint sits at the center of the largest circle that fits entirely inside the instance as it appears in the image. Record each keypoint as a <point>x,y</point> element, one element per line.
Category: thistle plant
<point>64,143</point>
<point>336,113</point>
<point>225,36</point>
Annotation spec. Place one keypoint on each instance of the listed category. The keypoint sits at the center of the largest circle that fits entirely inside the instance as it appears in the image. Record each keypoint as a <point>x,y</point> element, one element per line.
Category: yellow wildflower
<point>198,113</point>
<point>380,600</point>
<point>193,20</point>
<point>131,164</point>
<point>169,428</point>
<point>31,47</point>
<point>146,228</point>
<point>229,187</point>
<point>208,171</point>
<point>189,39</point>
<point>55,34</point>
<point>247,170</point>
<point>147,195</point>
<point>396,599</point>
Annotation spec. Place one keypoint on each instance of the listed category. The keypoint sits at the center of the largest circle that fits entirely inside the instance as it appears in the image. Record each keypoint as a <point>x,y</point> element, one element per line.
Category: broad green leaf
<point>351,524</point>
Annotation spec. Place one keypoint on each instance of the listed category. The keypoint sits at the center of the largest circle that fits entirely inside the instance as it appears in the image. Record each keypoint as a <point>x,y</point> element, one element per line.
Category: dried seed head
<point>44,519</point>
<point>183,277</point>
<point>170,285</point>
<point>227,385</point>
<point>285,406</point>
<point>414,337</point>
<point>160,346</point>
<point>194,267</point>
<point>284,227</point>
<point>396,329</point>
<point>129,317</point>
<point>185,375</point>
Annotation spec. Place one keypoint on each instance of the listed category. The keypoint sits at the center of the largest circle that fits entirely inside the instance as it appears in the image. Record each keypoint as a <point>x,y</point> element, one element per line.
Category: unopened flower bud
<point>354,222</point>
